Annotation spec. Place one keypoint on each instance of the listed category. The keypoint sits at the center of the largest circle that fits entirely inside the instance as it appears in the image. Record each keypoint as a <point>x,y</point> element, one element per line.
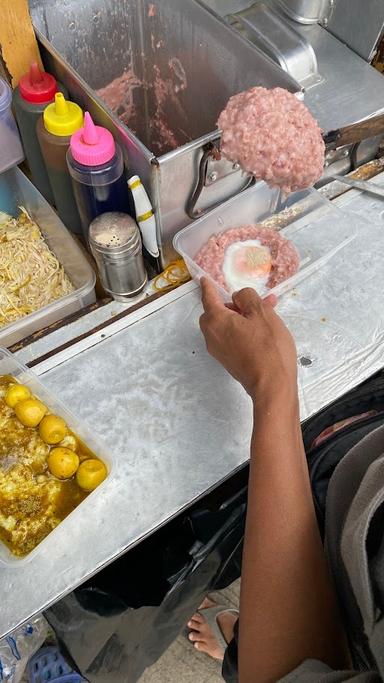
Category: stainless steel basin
<point>167,69</point>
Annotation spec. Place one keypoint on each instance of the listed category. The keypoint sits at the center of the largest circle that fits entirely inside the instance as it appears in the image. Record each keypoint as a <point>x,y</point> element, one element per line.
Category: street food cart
<point>138,374</point>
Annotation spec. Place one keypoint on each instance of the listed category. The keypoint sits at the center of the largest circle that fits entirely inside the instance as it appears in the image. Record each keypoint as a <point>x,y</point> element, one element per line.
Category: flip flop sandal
<point>211,615</point>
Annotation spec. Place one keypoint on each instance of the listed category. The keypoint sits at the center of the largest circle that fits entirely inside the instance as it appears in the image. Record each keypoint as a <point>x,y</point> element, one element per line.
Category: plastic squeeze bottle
<point>96,166</point>
<point>144,215</point>
<point>11,151</point>
<point>54,129</point>
<point>36,89</point>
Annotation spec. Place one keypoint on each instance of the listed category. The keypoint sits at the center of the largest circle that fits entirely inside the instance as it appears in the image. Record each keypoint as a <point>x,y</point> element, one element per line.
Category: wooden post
<point>18,45</point>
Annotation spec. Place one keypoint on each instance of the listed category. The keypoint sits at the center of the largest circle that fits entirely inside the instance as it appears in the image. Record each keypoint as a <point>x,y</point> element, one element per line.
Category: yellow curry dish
<point>45,469</point>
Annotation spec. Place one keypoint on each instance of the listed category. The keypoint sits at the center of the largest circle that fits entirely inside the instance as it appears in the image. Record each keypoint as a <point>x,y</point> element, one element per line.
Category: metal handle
<point>209,151</point>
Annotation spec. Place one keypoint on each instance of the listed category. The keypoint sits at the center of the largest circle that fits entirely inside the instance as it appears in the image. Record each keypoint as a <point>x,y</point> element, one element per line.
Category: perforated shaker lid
<point>114,232</point>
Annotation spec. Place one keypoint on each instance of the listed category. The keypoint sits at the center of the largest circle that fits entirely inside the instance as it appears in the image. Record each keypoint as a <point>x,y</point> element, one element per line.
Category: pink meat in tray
<point>248,256</point>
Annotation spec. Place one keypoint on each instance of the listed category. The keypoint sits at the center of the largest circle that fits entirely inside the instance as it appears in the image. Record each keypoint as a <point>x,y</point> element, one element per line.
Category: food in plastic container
<point>38,482</point>
<point>308,228</point>
<point>31,276</point>
<point>249,256</point>
<point>16,191</point>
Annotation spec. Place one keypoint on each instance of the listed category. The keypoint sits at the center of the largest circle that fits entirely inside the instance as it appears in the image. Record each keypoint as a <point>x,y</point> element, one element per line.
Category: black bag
<point>324,458</point>
<point>124,618</point>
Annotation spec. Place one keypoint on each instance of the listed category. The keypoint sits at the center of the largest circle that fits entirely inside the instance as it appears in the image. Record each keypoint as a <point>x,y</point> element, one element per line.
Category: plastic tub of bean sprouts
<point>44,274</point>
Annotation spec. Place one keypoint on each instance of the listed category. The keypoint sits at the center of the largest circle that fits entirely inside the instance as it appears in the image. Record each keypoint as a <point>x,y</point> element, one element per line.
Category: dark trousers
<point>230,672</point>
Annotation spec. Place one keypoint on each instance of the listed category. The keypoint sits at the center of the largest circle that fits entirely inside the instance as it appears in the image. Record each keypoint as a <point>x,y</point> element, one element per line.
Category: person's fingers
<point>210,297</point>
<point>232,308</point>
<point>247,301</point>
<point>271,300</point>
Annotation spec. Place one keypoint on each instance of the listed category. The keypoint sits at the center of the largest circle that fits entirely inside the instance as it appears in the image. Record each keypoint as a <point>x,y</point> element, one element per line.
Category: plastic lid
<point>62,117</point>
<point>37,86</point>
<point>5,95</point>
<point>92,145</point>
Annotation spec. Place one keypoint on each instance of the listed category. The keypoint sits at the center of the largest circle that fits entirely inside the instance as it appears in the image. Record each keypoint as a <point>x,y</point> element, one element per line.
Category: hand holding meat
<point>250,341</point>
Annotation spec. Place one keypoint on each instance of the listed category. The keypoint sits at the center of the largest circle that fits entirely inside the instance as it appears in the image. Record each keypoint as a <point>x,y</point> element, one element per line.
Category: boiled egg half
<point>247,264</point>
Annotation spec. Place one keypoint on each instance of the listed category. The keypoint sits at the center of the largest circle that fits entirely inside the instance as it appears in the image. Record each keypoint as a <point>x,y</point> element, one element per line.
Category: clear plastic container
<point>15,191</point>
<point>10,366</point>
<point>11,151</point>
<point>312,223</point>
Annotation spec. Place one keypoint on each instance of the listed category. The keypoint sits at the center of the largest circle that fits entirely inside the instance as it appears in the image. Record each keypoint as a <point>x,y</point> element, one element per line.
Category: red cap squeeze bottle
<point>35,91</point>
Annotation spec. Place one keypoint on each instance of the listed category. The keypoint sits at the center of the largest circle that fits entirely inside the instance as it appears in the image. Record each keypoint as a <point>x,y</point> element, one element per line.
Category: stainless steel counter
<point>176,422</point>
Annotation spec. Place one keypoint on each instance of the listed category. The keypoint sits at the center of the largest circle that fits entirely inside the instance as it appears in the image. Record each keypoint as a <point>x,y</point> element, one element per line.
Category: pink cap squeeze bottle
<point>96,166</point>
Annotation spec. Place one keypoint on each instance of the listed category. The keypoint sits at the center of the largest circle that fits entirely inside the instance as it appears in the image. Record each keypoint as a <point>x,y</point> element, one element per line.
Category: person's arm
<point>287,606</point>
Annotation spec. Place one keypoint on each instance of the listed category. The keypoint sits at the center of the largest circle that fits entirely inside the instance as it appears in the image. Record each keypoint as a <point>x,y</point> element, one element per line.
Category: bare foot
<point>202,635</point>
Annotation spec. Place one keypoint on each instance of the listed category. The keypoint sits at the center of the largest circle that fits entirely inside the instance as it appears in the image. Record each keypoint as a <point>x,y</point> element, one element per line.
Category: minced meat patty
<point>284,257</point>
<point>273,135</point>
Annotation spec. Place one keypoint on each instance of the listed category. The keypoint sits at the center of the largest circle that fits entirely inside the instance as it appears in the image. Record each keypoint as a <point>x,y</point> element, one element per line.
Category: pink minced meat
<point>285,259</point>
<point>272,135</point>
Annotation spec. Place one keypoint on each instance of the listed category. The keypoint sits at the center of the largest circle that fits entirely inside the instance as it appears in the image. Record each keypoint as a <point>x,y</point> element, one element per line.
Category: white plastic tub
<point>15,191</point>
<point>10,366</point>
<point>315,226</point>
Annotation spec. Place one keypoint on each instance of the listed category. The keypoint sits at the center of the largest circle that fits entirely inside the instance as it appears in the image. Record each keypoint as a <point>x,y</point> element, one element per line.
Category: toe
<point>194,636</point>
<point>210,650</point>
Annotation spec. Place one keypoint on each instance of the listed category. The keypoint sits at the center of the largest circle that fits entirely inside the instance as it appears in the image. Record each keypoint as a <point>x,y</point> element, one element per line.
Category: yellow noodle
<point>30,274</point>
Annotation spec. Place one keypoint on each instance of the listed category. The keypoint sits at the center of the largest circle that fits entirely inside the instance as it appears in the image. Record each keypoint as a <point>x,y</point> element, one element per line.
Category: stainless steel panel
<point>358,24</point>
<point>270,31</point>
<point>364,185</point>
<point>367,150</point>
<point>182,64</point>
<point>305,11</point>
<point>176,166</point>
<point>225,7</point>
<point>350,90</point>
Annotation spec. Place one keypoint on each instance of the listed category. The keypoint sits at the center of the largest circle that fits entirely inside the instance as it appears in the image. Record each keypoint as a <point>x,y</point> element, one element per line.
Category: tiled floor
<point>182,663</point>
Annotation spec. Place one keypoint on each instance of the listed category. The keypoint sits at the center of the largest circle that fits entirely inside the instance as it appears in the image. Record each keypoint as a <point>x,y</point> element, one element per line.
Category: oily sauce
<point>32,501</point>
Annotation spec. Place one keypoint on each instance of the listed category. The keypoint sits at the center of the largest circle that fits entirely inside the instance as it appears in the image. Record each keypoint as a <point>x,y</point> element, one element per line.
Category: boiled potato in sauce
<point>33,501</point>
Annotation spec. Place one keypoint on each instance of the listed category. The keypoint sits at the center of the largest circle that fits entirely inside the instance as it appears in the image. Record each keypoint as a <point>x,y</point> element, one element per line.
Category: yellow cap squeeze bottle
<point>54,129</point>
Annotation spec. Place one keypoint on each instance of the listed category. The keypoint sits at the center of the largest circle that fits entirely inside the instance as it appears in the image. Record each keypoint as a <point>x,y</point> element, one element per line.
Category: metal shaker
<point>115,242</point>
